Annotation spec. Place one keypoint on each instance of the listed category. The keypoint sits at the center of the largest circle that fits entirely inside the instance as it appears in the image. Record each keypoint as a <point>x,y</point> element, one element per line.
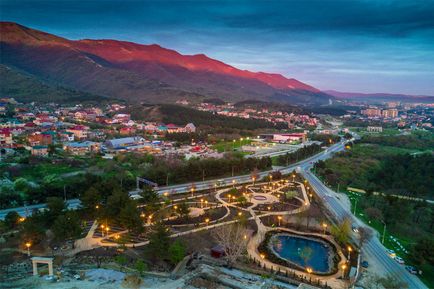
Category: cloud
<point>366,44</point>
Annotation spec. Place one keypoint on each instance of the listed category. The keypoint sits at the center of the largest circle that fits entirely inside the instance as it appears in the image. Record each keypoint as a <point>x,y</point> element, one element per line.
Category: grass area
<point>400,244</point>
<point>386,131</point>
<point>230,145</point>
<point>38,172</point>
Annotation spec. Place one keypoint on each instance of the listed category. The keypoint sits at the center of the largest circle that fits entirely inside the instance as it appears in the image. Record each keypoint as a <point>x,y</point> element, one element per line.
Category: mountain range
<point>380,97</point>
<point>136,72</point>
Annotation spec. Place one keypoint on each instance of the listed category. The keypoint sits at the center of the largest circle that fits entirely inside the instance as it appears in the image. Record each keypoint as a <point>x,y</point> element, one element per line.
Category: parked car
<point>355,228</point>
<point>399,260</point>
<point>391,253</point>
<point>365,264</point>
<point>411,269</point>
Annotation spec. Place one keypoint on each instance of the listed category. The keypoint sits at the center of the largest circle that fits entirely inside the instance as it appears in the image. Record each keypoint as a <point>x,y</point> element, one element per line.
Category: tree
<point>140,266</point>
<point>121,260</point>
<point>341,232</point>
<point>12,219</point>
<point>374,213</point>
<point>242,200</point>
<point>55,206</point>
<point>365,234</point>
<point>33,229</point>
<point>90,199</point>
<point>115,202</point>
<point>130,218</point>
<point>158,241</point>
<point>66,226</point>
<point>306,255</point>
<point>423,251</point>
<point>233,239</point>
<point>390,282</point>
<point>176,252</point>
<point>183,210</point>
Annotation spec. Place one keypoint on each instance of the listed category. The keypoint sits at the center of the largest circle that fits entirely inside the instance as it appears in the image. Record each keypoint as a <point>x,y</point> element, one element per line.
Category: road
<point>27,210</point>
<point>373,249</point>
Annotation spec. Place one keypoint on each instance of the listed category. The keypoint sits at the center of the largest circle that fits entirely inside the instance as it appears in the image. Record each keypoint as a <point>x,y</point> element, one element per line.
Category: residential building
<point>81,148</point>
<point>39,150</point>
<point>390,113</point>
<point>374,129</point>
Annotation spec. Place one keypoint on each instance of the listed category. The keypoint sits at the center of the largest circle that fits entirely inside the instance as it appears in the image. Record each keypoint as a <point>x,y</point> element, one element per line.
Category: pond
<point>302,251</point>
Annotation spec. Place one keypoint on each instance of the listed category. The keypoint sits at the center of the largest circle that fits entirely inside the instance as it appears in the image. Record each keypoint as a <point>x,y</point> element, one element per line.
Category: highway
<point>373,249</point>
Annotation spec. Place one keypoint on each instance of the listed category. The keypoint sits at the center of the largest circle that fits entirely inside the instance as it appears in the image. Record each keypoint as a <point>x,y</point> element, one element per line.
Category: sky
<point>346,45</point>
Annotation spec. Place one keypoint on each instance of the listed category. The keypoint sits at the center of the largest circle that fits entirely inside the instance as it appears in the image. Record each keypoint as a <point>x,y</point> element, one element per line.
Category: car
<point>391,253</point>
<point>399,260</point>
<point>355,228</point>
<point>365,264</point>
<point>411,269</point>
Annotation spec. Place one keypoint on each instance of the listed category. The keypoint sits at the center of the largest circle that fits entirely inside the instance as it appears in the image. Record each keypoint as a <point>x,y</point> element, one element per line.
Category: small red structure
<point>217,251</point>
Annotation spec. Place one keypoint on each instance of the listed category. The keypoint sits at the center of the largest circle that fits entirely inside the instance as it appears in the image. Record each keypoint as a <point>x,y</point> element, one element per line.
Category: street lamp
<point>28,244</point>
<point>201,203</point>
<point>279,218</point>
<point>309,270</point>
<point>324,225</point>
<point>349,252</point>
<point>293,177</point>
<point>343,267</point>
<point>102,230</point>
<point>262,256</point>
<point>206,204</point>
<point>384,231</point>
<point>207,222</point>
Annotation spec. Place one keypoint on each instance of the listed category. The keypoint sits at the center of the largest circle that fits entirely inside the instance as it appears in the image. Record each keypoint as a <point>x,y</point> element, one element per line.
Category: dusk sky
<point>347,45</point>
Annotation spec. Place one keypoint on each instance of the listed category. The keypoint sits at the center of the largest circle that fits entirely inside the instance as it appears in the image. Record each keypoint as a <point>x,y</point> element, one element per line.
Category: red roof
<point>5,131</point>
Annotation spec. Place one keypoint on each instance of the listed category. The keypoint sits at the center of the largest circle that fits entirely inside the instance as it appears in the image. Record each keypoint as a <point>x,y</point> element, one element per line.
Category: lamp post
<point>309,271</point>
<point>102,230</point>
<point>343,267</point>
<point>207,222</point>
<point>206,204</point>
<point>384,231</point>
<point>279,218</point>
<point>201,203</point>
<point>324,225</point>
<point>28,244</point>
<point>349,253</point>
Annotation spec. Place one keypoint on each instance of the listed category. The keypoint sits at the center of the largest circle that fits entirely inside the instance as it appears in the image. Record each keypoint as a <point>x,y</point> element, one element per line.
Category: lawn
<point>223,146</point>
<point>38,172</point>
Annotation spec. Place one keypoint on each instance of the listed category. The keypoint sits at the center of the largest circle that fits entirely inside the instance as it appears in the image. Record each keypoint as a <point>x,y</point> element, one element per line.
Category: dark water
<point>291,247</point>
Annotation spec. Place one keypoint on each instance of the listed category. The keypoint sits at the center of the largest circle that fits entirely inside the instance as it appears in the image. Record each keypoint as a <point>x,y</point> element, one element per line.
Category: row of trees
<point>304,152</point>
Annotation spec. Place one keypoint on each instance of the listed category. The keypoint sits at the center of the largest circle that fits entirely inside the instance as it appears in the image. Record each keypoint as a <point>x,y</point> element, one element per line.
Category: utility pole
<point>64,192</point>
<point>355,207</point>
